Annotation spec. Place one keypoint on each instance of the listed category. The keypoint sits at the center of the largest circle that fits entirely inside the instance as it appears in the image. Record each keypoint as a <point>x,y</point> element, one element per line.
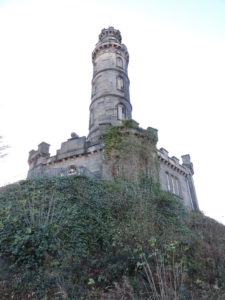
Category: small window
<point>119,83</point>
<point>119,62</point>
<point>168,181</point>
<point>121,112</point>
<point>177,187</point>
<point>173,184</point>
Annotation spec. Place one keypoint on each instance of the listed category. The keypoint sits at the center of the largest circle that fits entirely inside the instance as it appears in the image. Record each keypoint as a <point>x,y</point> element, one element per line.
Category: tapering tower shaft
<point>110,99</point>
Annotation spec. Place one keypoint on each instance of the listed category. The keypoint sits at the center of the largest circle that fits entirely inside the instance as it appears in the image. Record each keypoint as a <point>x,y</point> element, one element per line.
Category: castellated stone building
<point>98,155</point>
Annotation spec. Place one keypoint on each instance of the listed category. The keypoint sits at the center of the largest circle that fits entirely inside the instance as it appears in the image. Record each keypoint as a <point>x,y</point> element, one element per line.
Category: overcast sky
<point>176,70</point>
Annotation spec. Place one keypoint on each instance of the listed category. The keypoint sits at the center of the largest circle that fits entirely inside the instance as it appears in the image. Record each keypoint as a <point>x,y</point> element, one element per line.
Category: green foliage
<point>130,151</point>
<point>74,236</point>
<point>130,124</point>
<point>112,140</point>
<point>114,137</point>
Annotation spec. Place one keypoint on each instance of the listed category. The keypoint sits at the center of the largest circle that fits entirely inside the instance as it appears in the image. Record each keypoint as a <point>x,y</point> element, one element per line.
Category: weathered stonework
<point>132,151</point>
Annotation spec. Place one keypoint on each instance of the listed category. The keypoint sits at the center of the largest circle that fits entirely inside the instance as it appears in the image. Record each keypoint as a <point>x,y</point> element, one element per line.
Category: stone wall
<point>174,178</point>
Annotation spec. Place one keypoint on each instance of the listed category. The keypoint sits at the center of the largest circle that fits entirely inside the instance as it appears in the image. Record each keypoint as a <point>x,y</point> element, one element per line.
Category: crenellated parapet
<point>75,156</point>
<point>40,156</point>
<point>110,34</point>
<point>172,162</point>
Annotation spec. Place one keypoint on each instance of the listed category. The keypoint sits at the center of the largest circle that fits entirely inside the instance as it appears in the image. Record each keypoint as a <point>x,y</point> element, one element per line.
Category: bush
<point>75,237</point>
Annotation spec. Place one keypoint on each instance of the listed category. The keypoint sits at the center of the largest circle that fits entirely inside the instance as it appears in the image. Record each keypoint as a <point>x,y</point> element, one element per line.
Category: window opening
<point>173,185</point>
<point>177,187</point>
<point>168,181</point>
<point>119,62</point>
<point>119,82</point>
<point>121,112</point>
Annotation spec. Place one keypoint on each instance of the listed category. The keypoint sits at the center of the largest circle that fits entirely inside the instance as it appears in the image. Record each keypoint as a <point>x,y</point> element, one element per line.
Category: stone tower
<point>131,151</point>
<point>110,98</point>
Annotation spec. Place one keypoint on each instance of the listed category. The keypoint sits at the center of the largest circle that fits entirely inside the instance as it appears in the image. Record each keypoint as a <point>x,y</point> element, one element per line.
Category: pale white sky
<point>177,74</point>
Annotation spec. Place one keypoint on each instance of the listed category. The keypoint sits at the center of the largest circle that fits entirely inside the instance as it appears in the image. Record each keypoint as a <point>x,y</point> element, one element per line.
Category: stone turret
<point>110,98</point>
<point>186,159</point>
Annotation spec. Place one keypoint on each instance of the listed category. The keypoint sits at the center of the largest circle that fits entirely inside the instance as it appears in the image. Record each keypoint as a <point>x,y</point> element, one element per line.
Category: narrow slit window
<point>173,185</point>
<point>177,187</point>
<point>168,182</point>
<point>91,117</point>
<point>119,83</point>
<point>121,112</point>
<point>119,62</point>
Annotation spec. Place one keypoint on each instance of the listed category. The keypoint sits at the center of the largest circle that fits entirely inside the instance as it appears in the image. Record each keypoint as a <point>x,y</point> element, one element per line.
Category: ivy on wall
<point>130,151</point>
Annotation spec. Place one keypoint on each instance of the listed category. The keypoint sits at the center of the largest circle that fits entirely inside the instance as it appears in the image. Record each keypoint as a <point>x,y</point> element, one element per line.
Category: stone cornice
<point>110,94</point>
<point>109,45</point>
<point>111,69</point>
<point>172,164</point>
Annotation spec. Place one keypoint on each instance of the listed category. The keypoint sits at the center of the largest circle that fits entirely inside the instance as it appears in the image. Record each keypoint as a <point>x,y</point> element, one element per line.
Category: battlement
<point>173,162</point>
<point>110,34</point>
<point>110,40</point>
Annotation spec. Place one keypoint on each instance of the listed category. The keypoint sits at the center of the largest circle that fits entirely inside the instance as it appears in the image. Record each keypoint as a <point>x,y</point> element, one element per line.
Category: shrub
<point>76,237</point>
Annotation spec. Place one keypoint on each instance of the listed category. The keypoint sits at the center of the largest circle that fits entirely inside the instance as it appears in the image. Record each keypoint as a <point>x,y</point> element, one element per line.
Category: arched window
<point>121,112</point>
<point>119,83</point>
<point>119,62</point>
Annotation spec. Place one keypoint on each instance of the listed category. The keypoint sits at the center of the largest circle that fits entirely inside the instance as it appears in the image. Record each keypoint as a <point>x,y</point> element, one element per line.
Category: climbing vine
<point>131,150</point>
<point>112,140</point>
<point>114,136</point>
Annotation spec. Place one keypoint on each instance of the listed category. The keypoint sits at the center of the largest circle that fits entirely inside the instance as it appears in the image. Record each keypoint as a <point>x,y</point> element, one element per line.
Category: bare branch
<point>3,148</point>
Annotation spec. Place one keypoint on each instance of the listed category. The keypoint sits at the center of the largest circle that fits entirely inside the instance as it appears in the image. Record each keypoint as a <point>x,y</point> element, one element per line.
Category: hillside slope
<point>80,238</point>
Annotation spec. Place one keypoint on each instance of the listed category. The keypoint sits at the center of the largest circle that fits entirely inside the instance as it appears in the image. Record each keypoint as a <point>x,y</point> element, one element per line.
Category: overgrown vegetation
<point>130,150</point>
<point>113,138</point>
<point>80,238</point>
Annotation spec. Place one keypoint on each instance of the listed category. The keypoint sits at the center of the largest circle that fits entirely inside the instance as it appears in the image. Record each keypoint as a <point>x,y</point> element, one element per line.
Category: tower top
<point>110,38</point>
<point>110,35</point>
